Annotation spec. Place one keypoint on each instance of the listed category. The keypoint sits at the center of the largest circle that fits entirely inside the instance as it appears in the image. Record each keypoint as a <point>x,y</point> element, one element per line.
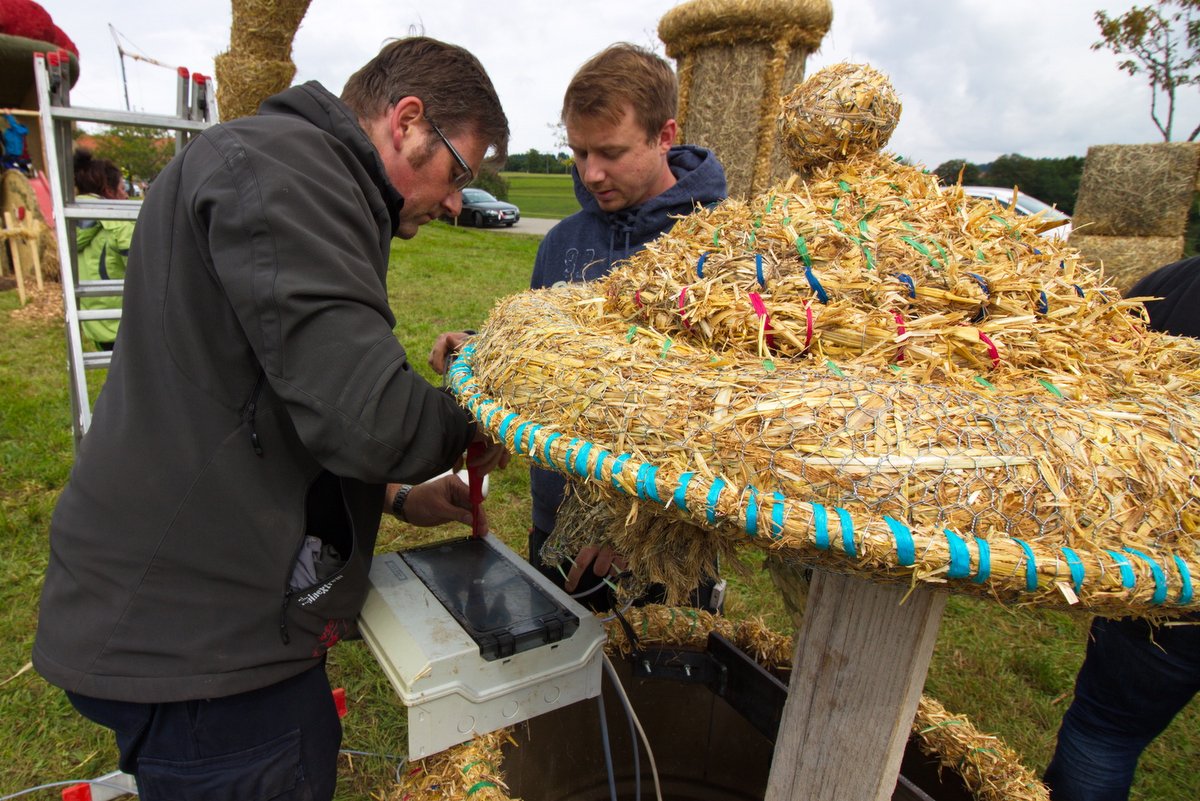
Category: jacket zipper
<point>251,409</point>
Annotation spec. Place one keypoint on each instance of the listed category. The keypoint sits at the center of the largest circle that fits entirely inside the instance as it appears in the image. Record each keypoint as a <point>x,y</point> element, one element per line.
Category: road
<point>537,226</point>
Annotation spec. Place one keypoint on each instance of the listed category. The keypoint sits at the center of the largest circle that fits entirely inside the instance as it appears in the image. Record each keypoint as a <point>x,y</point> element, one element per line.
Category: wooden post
<point>857,675</point>
<point>14,249</point>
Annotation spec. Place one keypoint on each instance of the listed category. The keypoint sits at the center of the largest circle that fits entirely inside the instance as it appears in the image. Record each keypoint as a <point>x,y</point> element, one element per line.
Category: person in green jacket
<point>102,244</point>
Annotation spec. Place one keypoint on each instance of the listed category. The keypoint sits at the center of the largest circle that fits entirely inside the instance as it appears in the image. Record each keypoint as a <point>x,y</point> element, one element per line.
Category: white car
<point>1026,205</point>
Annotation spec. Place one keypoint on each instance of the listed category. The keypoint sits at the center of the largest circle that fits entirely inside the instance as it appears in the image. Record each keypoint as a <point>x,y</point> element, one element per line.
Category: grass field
<point>538,195</point>
<point>1009,670</point>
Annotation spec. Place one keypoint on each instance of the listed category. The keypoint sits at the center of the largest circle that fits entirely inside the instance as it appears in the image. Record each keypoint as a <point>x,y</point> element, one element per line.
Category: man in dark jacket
<point>1135,676</point>
<point>214,540</point>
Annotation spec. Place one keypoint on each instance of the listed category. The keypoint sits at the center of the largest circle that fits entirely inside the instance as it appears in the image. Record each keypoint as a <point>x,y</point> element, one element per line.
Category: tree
<point>1163,42</point>
<point>948,172</point>
<point>139,152</point>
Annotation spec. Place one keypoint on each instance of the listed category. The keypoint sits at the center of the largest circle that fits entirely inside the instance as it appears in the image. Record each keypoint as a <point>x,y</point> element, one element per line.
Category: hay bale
<point>16,193</point>
<point>1137,190</point>
<point>1125,259</point>
<point>872,373</point>
<point>258,63</point>
<point>758,46</point>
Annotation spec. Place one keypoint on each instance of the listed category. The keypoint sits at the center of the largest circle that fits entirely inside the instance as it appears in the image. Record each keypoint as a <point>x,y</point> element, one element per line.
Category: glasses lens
<point>467,175</point>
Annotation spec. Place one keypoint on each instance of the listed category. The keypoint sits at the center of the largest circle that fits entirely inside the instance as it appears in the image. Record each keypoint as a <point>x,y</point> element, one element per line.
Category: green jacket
<point>103,246</point>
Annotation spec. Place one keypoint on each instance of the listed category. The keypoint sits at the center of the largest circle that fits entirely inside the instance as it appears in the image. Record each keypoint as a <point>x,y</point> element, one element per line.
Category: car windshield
<point>1031,205</point>
<point>477,196</point>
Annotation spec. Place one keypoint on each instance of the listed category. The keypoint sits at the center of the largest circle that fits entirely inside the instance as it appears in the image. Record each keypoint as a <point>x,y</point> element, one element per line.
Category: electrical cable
<point>608,763</point>
<point>612,674</point>
<point>401,761</point>
<point>92,782</point>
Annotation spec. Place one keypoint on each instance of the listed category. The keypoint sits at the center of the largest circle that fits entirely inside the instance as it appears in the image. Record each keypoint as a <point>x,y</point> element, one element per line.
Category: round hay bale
<point>990,770</point>
<point>851,110</point>
<point>1126,259</point>
<point>1137,190</point>
<point>872,373</point>
<point>760,46</point>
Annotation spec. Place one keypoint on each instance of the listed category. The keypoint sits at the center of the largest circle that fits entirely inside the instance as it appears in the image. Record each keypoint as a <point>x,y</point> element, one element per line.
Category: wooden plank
<point>15,249</point>
<point>857,674</point>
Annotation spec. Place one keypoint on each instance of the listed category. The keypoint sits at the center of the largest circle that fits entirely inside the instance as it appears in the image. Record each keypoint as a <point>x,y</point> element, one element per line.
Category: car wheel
<point>477,218</point>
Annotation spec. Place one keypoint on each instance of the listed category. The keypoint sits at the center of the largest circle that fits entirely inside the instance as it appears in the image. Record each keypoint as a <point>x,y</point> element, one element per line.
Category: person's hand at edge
<point>601,558</point>
<point>444,347</point>
<point>445,499</point>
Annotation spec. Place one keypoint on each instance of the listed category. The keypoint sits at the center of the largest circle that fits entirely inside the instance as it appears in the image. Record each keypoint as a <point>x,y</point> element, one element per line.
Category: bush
<point>491,181</point>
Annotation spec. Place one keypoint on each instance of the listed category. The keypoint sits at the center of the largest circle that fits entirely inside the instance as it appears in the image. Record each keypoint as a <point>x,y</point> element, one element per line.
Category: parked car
<point>482,209</point>
<point>1026,205</point>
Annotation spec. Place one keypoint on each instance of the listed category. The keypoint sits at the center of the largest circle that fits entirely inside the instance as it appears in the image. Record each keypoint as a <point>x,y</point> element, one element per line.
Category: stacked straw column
<point>735,60</point>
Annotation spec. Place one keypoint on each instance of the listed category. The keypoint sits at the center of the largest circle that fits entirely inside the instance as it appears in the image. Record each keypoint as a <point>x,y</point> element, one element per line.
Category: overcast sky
<point>977,78</point>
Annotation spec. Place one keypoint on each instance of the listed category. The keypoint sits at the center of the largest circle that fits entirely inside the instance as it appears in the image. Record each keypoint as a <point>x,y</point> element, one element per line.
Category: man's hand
<point>444,347</point>
<point>445,499</point>
<point>601,558</point>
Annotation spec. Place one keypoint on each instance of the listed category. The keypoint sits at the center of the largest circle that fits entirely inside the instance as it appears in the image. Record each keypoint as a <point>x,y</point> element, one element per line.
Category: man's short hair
<point>624,74</point>
<point>456,90</point>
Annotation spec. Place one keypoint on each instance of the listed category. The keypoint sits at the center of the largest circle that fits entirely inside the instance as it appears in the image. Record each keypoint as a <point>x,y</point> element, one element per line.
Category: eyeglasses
<point>467,175</point>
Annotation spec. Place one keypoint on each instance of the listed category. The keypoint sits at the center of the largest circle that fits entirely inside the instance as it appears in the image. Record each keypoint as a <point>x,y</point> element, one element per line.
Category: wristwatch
<point>398,501</point>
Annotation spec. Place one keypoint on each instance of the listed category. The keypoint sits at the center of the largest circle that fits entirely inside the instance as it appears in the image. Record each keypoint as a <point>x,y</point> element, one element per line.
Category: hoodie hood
<point>316,104</point>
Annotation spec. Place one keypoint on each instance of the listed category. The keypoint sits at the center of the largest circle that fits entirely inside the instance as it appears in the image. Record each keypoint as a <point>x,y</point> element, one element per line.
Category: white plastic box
<point>453,692</point>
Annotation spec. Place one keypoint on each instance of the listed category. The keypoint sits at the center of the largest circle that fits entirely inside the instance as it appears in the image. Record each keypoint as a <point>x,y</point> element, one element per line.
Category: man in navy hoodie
<point>632,181</point>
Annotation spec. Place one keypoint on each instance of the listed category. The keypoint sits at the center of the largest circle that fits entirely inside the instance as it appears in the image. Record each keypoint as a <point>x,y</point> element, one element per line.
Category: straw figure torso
<point>867,370</point>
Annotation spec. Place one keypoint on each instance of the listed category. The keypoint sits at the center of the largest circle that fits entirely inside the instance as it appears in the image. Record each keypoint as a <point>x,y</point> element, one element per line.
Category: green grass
<point>1009,670</point>
<point>538,195</point>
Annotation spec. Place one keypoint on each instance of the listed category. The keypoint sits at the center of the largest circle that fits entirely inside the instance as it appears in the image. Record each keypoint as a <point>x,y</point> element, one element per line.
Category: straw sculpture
<point>759,46</point>
<point>867,371</point>
<point>258,63</point>
<point>990,770</point>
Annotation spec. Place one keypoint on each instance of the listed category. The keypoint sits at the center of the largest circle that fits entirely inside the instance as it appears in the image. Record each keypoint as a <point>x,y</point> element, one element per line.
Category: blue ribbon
<point>960,557</point>
<point>1031,580</point>
<point>700,265</point>
<point>758,269</point>
<point>1043,303</point>
<point>908,282</point>
<point>822,295</point>
<point>905,549</point>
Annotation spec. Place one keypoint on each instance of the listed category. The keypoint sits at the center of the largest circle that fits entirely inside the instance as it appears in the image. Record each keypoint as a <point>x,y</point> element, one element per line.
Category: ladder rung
<point>99,314</point>
<point>96,211</point>
<point>100,289</point>
<point>127,118</point>
<point>95,360</point>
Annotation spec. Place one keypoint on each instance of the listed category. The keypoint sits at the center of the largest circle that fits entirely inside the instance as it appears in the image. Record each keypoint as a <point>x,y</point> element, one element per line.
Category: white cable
<point>92,782</point>
<point>612,674</point>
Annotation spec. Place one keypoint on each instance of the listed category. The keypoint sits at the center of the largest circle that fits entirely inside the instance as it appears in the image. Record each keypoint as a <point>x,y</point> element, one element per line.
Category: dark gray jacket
<point>257,395</point>
<point>584,247</point>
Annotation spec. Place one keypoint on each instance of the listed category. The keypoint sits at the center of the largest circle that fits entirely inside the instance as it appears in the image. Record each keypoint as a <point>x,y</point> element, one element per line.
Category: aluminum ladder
<point>195,111</point>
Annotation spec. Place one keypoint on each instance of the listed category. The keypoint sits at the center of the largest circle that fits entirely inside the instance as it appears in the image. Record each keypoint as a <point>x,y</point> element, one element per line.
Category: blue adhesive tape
<point>1076,566</point>
<point>960,557</point>
<point>820,527</point>
<point>519,437</point>
<point>505,423</point>
<point>751,511</point>
<point>1128,577</point>
<point>985,561</point>
<point>598,473</point>
<point>647,484</point>
<point>906,552</point>
<point>1160,580</point>
<point>1031,578</point>
<point>680,496</point>
<point>714,494</point>
<point>777,516</point>
<point>581,460</point>
<point>1185,580</point>
<point>847,531</point>
<point>546,447</point>
<point>618,465</point>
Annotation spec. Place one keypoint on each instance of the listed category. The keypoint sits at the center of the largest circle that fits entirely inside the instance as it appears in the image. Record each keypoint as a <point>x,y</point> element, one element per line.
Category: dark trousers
<point>279,743</point>
<point>1134,679</point>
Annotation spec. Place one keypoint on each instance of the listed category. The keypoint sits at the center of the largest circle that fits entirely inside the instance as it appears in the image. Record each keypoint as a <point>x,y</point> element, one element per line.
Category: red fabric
<point>28,19</point>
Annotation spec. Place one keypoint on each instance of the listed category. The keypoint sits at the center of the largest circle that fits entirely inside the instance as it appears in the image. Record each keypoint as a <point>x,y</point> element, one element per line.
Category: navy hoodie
<point>586,245</point>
